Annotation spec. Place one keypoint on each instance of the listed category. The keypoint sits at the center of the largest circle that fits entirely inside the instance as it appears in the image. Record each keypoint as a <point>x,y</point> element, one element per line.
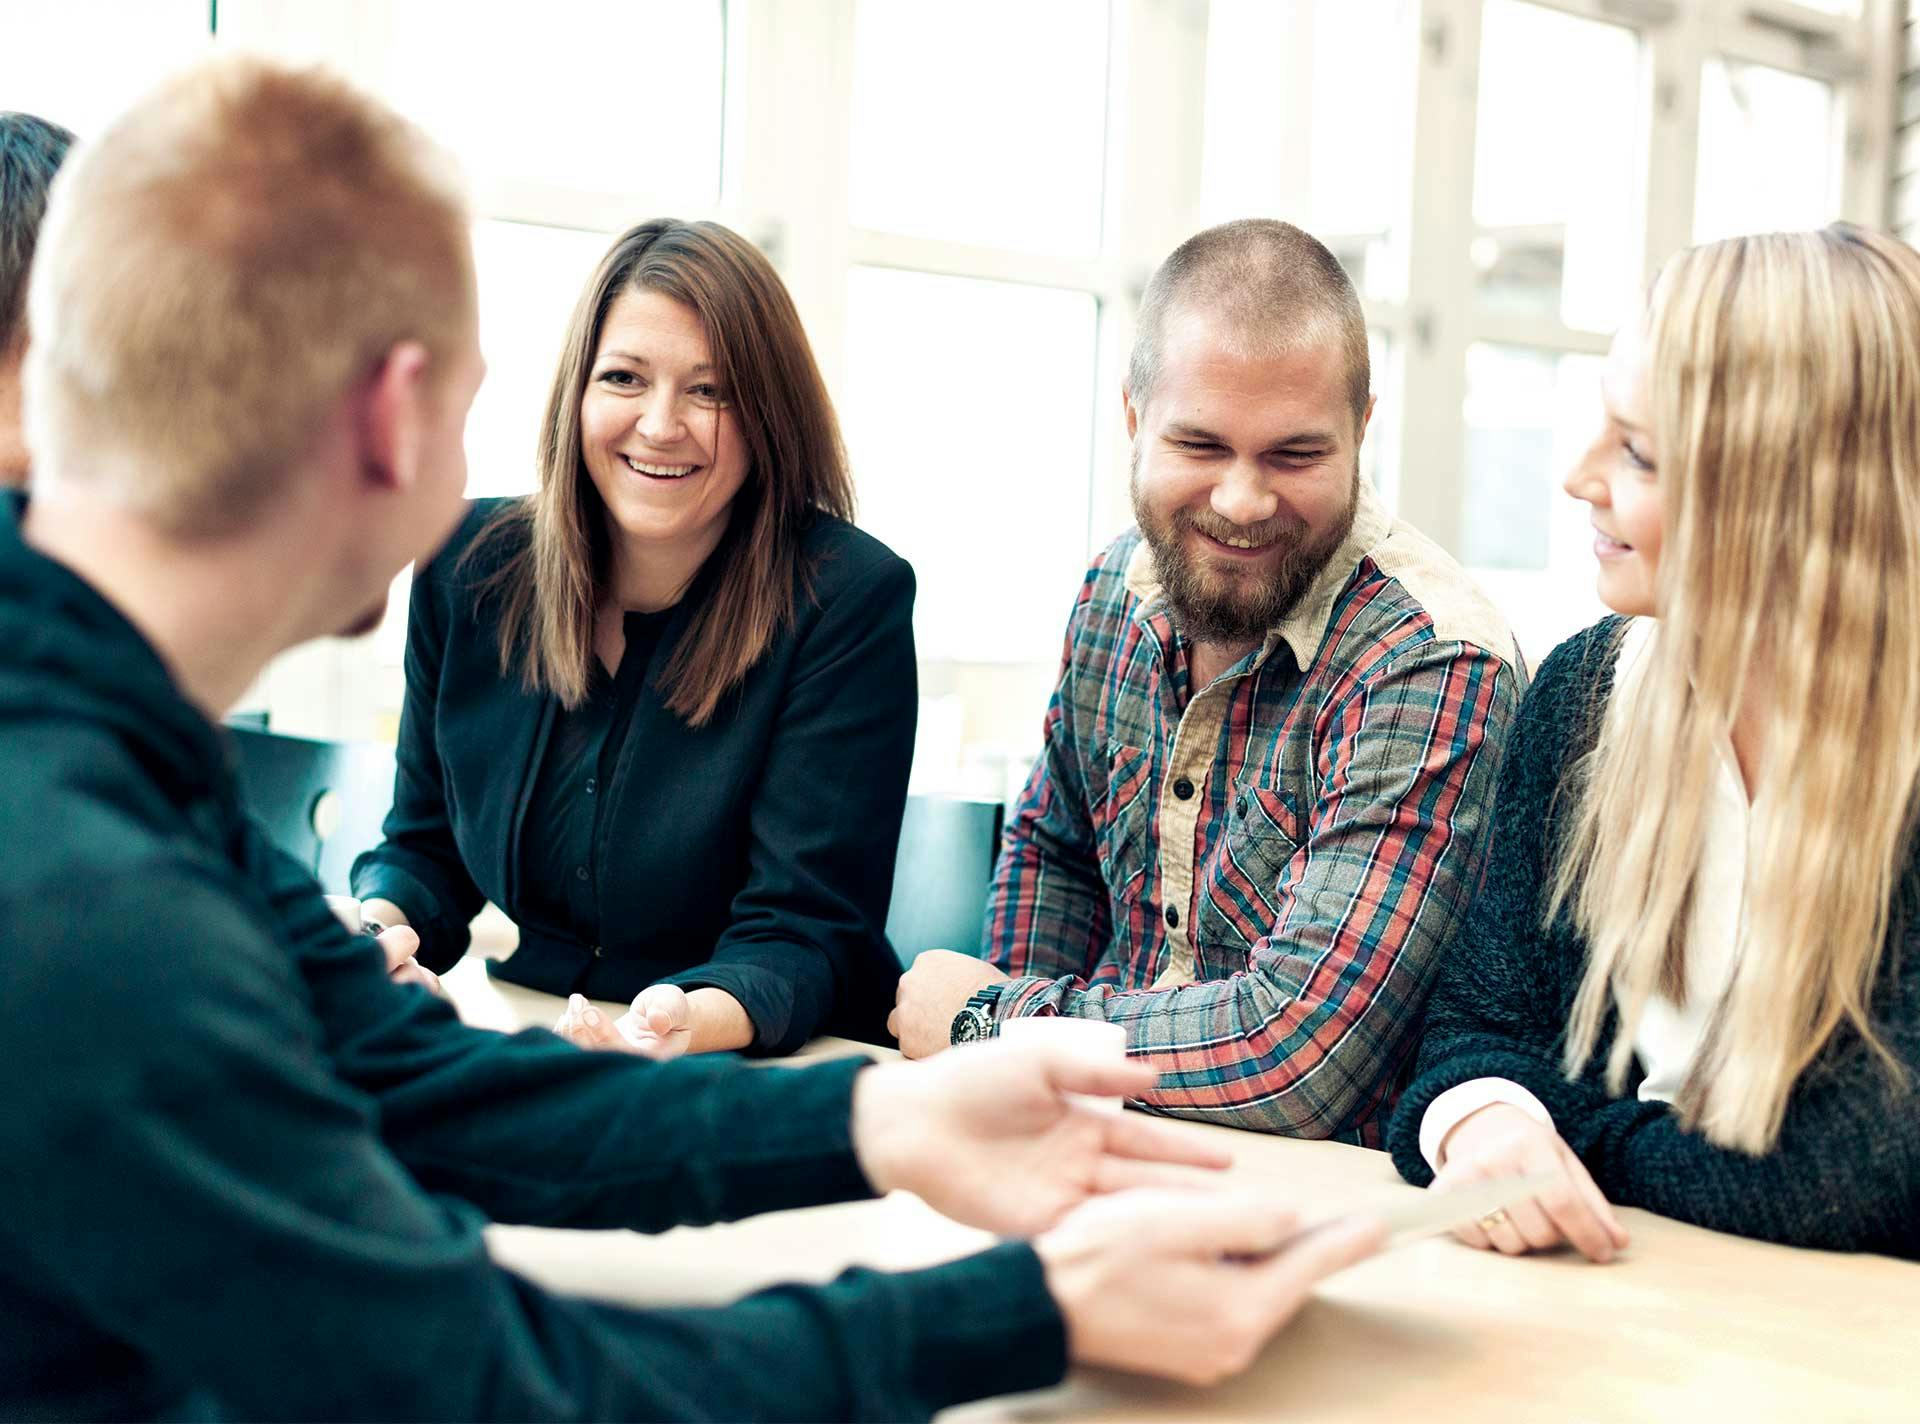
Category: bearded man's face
<point>1245,477</point>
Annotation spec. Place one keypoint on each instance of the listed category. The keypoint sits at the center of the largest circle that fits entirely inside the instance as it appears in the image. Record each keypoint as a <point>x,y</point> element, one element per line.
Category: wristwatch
<point>976,1021</point>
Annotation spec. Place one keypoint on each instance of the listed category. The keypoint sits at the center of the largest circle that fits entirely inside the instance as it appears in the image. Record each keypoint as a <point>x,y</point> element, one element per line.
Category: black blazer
<point>754,854</point>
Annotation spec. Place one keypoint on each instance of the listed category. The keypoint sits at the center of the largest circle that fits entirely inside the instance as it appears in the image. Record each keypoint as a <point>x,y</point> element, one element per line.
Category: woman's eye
<point>1634,457</point>
<point>619,378</point>
<point>710,394</point>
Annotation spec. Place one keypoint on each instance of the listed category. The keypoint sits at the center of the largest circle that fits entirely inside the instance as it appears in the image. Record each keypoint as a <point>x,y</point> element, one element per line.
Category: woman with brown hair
<point>662,710</point>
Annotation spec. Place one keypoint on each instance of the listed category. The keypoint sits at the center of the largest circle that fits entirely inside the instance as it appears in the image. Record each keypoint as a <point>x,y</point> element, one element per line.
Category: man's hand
<point>1502,1141</point>
<point>988,1135</point>
<point>1188,1284</point>
<point>659,1025</point>
<point>399,942</point>
<point>935,989</point>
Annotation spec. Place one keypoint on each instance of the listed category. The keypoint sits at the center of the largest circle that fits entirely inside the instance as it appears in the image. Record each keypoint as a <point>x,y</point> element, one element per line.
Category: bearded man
<point>1257,813</point>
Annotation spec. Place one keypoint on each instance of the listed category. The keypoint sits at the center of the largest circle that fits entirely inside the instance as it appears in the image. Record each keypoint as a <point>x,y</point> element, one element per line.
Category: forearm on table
<point>435,900</point>
<point>1240,1051</point>
<point>720,1025</point>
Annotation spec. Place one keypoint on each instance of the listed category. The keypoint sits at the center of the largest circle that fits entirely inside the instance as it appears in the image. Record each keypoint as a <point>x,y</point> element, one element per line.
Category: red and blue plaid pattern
<point>1336,789</point>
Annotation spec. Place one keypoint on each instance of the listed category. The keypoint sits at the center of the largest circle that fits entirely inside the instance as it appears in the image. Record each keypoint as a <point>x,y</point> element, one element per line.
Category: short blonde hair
<point>218,268</point>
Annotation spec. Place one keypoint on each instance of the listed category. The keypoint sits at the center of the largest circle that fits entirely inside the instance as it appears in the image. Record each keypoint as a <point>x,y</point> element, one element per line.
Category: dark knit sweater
<point>1845,1174</point>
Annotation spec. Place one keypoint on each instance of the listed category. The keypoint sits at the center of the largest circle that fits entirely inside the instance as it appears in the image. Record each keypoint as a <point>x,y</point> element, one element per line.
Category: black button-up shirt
<point>561,836</point>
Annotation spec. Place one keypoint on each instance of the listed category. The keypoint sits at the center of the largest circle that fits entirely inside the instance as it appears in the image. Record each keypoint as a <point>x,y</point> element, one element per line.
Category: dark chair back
<point>941,875</point>
<point>321,802</point>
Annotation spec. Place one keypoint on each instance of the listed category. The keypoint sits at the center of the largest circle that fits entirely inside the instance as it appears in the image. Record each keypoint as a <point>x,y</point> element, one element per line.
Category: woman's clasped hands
<point>659,1024</point>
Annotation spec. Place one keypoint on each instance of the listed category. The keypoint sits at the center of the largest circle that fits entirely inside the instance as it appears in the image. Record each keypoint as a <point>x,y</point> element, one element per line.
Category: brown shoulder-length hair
<point>551,589</point>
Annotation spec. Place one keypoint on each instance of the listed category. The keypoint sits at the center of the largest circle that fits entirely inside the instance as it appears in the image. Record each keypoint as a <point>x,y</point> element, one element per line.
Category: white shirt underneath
<point>1669,1034</point>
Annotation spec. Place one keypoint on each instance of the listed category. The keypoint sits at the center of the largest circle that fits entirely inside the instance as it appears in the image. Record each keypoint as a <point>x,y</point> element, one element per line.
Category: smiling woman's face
<point>1619,478</point>
<point>658,432</point>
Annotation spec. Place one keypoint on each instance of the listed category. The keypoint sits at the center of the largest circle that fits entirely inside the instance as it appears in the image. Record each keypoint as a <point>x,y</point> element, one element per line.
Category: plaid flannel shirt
<point>1257,879</point>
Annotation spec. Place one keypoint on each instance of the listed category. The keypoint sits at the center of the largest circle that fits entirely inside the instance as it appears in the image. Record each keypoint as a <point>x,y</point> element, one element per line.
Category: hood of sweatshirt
<point>68,656</point>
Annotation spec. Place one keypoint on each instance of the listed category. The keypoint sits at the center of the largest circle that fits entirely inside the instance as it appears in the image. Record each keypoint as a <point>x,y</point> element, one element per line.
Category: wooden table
<point>1689,1324</point>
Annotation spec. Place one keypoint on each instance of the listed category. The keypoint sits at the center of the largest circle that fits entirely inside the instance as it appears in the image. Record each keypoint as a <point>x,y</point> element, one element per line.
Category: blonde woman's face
<point>657,432</point>
<point>1619,478</point>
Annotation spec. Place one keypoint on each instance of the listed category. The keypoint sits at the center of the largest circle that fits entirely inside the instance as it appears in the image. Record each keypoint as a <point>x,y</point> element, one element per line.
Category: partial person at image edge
<point>1691,979</point>
<point>31,151</point>
<point>1270,756</point>
<point>662,711</point>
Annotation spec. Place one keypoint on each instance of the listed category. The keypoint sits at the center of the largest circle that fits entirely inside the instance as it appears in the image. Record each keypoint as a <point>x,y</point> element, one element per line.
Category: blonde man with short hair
<point>1691,979</point>
<point>245,1173</point>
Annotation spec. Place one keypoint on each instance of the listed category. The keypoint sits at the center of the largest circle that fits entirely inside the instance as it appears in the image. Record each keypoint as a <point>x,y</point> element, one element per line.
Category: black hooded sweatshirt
<point>242,1174</point>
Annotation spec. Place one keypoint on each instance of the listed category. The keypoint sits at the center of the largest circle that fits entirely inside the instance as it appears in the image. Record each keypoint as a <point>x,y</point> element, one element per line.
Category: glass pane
<point>974,459</point>
<point>1529,416</point>
<point>982,123</point>
<point>1556,181</point>
<point>526,94</point>
<point>1309,117</point>
<point>1380,450</point>
<point>1768,145</point>
<point>529,279</point>
<point>80,62</point>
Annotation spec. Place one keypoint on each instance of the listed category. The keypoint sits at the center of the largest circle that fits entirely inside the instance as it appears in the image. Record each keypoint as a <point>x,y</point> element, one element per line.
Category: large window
<point>1309,117</point>
<point>981,123</point>
<point>974,451</point>
<point>78,62</point>
<point>966,201</point>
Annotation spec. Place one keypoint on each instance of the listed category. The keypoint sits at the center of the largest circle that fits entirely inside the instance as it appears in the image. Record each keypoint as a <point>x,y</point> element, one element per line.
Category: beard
<point>1221,603</point>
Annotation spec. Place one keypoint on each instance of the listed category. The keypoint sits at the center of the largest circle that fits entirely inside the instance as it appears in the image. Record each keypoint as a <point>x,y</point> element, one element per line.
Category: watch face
<point>969,1026</point>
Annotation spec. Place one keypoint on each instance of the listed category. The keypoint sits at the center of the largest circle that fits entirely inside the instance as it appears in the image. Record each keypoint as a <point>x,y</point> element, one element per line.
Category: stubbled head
<point>220,268</point>
<point>1247,398</point>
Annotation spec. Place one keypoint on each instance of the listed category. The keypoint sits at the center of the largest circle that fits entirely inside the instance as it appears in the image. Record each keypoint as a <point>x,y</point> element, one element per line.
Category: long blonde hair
<point>1785,403</point>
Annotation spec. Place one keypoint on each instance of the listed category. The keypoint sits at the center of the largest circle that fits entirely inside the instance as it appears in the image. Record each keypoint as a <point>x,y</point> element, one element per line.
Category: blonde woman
<point>1691,979</point>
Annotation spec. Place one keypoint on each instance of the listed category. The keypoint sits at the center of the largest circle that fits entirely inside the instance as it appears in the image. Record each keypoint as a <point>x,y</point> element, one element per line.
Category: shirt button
<point>580,872</point>
<point>590,784</point>
<point>1183,789</point>
<point>1173,918</point>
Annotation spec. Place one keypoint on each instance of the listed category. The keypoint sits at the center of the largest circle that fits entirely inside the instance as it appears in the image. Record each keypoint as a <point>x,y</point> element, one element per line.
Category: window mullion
<point>1156,115</point>
<point>1440,279</point>
<point>1675,53</point>
<point>790,95</point>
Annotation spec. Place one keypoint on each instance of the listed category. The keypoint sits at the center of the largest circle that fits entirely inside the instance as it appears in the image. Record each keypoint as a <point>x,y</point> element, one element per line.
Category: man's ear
<point>393,415</point>
<point>1133,415</point>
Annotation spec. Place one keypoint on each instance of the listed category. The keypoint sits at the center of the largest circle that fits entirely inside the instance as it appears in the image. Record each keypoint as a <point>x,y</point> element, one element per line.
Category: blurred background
<point>966,200</point>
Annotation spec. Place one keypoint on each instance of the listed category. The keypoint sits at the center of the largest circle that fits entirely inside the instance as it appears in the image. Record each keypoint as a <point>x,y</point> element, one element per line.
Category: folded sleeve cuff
<point>1028,997</point>
<point>1458,1103</point>
<point>782,1020</point>
<point>440,948</point>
